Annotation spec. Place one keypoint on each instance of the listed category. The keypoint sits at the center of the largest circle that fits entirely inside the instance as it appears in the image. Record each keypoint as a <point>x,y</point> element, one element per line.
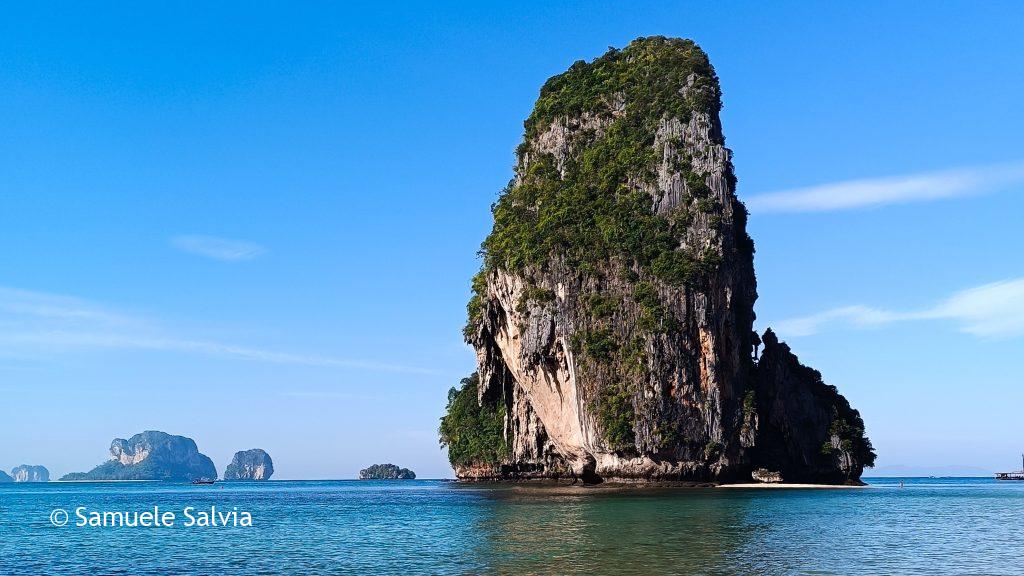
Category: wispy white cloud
<point>46,324</point>
<point>330,395</point>
<point>55,307</point>
<point>218,248</point>
<point>858,316</point>
<point>993,310</point>
<point>872,192</point>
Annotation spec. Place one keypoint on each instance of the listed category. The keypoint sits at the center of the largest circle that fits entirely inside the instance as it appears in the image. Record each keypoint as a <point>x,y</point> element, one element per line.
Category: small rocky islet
<point>29,473</point>
<point>26,473</point>
<point>386,472</point>
<point>613,314</point>
<point>254,464</point>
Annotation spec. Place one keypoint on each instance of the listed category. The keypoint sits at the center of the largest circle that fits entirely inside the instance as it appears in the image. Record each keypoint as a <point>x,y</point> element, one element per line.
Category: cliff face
<point>252,464</point>
<point>151,455</point>
<point>26,473</point>
<point>612,319</point>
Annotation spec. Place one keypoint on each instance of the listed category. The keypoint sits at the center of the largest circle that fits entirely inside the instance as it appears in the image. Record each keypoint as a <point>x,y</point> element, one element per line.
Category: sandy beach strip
<point>781,485</point>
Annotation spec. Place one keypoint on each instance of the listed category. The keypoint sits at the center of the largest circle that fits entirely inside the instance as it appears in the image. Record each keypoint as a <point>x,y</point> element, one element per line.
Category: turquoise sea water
<point>931,526</point>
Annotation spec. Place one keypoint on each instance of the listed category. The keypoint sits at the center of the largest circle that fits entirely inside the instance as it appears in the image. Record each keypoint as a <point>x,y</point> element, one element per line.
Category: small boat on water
<point>203,481</point>
<point>1018,475</point>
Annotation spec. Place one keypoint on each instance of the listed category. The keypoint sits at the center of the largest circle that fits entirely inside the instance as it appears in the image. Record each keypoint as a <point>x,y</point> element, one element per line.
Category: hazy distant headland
<point>951,470</point>
<point>151,455</point>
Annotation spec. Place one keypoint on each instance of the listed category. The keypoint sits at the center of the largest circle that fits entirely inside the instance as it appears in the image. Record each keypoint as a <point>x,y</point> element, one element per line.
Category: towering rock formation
<point>151,455</point>
<point>26,473</point>
<point>252,464</point>
<point>612,318</point>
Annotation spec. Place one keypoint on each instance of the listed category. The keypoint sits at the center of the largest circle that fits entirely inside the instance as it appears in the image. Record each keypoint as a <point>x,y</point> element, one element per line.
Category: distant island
<point>27,473</point>
<point>4,477</point>
<point>386,472</point>
<point>613,314</point>
<point>151,455</point>
<point>254,464</point>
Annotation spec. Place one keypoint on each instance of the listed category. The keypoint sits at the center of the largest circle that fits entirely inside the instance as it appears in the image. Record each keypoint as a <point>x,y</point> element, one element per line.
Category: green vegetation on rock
<point>534,294</point>
<point>474,434</point>
<point>616,415</point>
<point>648,72</point>
<point>712,450</point>
<point>849,428</point>
<point>600,344</point>
<point>594,209</point>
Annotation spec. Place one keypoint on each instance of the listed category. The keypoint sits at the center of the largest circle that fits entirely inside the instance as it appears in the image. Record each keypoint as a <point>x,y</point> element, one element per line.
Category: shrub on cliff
<point>616,415</point>
<point>473,434</point>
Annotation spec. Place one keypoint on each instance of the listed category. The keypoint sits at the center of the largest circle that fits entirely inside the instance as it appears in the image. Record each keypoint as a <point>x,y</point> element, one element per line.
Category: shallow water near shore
<point>931,526</point>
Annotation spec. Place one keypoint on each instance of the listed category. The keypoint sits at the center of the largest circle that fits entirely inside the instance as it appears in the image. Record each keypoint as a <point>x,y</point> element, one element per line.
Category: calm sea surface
<point>931,526</point>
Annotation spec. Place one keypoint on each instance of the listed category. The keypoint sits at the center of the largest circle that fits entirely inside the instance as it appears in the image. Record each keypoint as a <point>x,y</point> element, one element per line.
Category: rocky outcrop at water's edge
<point>613,316</point>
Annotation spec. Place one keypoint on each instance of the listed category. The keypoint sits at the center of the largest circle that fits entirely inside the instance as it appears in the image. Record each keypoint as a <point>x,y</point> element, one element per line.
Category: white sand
<point>785,485</point>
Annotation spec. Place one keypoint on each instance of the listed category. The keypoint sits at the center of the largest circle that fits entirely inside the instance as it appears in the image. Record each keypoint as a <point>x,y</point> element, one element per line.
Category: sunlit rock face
<point>252,464</point>
<point>613,317</point>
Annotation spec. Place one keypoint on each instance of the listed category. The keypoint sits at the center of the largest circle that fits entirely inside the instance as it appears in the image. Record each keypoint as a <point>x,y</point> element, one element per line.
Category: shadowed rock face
<point>612,319</point>
<point>26,473</point>
<point>252,464</point>
<point>151,455</point>
<point>806,430</point>
<point>386,472</point>
<point>4,477</point>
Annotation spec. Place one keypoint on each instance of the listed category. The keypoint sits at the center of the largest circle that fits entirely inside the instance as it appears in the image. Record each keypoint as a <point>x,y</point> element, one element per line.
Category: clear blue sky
<point>255,224</point>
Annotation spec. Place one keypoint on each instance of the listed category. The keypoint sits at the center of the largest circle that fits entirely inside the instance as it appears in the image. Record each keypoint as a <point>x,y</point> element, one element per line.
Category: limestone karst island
<point>386,472</point>
<point>253,464</point>
<point>613,314</point>
<point>26,473</point>
<point>155,455</point>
